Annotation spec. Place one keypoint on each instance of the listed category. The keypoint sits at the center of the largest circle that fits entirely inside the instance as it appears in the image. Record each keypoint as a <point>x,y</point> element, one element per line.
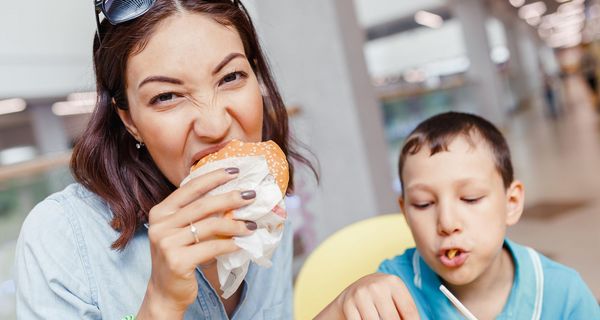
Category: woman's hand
<point>176,250</point>
<point>375,296</point>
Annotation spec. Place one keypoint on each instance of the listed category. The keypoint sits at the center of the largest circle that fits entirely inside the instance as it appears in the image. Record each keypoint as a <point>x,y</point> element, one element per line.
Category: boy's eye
<point>472,200</point>
<point>421,206</point>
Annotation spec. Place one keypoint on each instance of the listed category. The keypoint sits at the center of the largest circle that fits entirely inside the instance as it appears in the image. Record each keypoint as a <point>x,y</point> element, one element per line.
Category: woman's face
<point>191,90</point>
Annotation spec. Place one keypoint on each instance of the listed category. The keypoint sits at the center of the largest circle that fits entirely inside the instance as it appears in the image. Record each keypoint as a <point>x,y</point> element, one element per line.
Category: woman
<point>176,80</point>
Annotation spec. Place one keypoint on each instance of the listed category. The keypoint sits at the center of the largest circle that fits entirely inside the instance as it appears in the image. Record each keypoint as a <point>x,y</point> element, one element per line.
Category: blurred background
<point>357,77</point>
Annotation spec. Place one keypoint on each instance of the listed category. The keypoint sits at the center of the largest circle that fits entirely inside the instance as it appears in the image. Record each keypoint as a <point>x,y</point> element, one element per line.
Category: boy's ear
<point>401,203</point>
<point>125,116</point>
<point>515,200</point>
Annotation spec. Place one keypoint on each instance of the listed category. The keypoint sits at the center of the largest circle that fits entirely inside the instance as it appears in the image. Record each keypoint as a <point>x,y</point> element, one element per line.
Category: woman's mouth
<point>198,156</point>
<point>453,257</point>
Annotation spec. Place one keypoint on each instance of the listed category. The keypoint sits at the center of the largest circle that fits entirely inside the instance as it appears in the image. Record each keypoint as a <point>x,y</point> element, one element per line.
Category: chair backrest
<point>344,257</point>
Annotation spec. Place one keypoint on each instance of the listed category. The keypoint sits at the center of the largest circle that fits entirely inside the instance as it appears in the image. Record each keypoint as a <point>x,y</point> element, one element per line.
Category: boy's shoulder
<point>399,265</point>
<point>413,271</point>
<point>410,267</point>
<point>553,271</point>
<point>557,291</point>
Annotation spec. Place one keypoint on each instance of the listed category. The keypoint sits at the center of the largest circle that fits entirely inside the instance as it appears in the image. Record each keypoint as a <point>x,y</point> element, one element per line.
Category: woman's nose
<point>212,123</point>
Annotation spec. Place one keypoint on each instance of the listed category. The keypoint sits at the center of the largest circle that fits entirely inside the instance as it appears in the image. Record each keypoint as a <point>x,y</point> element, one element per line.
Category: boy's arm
<point>375,296</point>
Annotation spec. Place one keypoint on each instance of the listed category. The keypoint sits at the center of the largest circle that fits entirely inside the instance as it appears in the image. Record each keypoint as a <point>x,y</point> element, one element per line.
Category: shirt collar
<point>524,301</point>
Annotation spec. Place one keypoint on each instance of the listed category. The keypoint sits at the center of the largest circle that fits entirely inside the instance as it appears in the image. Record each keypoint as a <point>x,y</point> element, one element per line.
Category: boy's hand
<point>375,296</point>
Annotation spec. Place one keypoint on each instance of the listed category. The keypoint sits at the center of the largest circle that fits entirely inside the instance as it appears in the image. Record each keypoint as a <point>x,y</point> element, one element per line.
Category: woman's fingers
<point>208,205</point>
<point>183,260</point>
<point>190,192</point>
<point>206,251</point>
<point>208,229</point>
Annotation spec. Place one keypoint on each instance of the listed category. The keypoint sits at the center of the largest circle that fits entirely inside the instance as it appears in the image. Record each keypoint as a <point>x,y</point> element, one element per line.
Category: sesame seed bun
<point>276,159</point>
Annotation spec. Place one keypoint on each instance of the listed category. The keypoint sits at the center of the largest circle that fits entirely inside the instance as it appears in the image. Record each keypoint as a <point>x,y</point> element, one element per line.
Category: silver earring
<point>139,145</point>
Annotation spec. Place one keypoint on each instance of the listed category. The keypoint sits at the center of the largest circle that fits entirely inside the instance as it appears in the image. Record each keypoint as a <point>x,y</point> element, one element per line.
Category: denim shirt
<point>67,270</point>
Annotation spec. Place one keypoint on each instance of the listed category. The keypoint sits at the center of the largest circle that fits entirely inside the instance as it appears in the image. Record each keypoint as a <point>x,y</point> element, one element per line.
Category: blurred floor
<point>559,162</point>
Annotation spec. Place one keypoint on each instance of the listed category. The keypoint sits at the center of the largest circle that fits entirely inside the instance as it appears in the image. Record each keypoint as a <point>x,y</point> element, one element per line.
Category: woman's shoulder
<point>76,194</point>
<point>59,253</point>
<point>62,212</point>
<point>74,197</point>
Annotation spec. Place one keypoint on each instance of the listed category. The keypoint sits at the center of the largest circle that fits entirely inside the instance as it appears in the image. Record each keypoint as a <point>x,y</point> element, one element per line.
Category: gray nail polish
<point>248,194</point>
<point>251,225</point>
<point>232,170</point>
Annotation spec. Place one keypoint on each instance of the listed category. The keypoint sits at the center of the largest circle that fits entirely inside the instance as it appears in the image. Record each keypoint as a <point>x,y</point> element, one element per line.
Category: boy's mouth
<point>452,253</point>
<point>453,257</point>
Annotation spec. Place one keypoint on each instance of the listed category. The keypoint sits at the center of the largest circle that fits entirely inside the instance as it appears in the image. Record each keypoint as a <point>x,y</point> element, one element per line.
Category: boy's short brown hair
<point>439,131</point>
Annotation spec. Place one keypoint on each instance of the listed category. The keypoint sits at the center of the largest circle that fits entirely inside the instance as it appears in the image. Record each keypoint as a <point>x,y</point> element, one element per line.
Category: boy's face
<point>458,209</point>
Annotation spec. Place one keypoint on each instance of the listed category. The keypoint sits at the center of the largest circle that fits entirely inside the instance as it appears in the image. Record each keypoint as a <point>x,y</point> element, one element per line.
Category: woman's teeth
<point>451,253</point>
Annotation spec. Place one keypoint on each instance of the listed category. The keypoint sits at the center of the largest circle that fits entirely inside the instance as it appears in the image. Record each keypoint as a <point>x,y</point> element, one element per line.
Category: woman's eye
<point>163,97</point>
<point>232,77</point>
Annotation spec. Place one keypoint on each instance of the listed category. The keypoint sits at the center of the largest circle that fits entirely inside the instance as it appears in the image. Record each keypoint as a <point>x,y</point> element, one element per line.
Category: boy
<point>459,196</point>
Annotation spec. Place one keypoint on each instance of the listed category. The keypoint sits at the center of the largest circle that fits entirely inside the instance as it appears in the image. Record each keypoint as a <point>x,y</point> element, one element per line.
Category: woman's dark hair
<point>437,132</point>
<point>105,159</point>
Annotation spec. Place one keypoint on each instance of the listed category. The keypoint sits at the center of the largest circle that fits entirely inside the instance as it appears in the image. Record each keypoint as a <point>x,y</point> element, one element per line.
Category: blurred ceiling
<point>559,23</point>
<point>382,18</point>
<point>375,12</point>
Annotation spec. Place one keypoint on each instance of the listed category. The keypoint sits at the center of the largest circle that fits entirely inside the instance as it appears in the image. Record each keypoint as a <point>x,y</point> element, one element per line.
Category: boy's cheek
<point>423,231</point>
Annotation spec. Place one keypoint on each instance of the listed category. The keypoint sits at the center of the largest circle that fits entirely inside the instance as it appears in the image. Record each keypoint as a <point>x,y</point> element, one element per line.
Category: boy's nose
<point>448,221</point>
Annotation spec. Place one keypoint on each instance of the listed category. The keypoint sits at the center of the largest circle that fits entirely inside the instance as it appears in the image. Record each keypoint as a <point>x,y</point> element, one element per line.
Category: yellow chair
<point>344,257</point>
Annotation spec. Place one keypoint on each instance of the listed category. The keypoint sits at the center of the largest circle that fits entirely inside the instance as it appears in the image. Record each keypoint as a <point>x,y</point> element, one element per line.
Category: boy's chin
<point>457,277</point>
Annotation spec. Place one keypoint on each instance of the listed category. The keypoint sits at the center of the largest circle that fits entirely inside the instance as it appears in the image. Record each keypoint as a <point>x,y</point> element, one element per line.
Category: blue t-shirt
<point>542,288</point>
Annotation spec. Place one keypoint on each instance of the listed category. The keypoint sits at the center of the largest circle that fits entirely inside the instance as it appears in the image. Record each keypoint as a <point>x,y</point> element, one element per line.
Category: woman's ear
<point>515,200</point>
<point>125,116</point>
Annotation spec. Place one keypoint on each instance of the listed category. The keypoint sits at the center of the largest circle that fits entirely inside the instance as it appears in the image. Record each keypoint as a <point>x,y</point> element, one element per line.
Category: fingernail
<point>232,170</point>
<point>248,194</point>
<point>251,225</point>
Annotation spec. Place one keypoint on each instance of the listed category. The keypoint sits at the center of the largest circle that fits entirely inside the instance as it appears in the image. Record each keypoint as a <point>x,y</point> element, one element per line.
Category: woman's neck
<point>211,274</point>
<point>486,296</point>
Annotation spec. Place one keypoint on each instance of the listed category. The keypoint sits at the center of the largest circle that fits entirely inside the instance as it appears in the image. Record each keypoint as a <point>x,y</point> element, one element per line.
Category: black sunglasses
<point>119,11</point>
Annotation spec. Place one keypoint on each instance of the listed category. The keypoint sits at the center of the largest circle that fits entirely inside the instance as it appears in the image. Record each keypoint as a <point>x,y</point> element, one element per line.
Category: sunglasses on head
<point>119,11</point>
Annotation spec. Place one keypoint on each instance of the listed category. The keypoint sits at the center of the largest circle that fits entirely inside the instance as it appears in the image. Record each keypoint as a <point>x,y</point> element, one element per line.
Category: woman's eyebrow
<point>226,60</point>
<point>160,79</point>
<point>218,68</point>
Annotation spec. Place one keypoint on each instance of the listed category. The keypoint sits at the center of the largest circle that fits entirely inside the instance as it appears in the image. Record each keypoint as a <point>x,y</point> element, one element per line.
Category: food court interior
<point>356,76</point>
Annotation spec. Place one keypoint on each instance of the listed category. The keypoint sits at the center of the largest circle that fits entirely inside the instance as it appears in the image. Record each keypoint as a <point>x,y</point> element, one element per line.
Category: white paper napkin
<point>268,211</point>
